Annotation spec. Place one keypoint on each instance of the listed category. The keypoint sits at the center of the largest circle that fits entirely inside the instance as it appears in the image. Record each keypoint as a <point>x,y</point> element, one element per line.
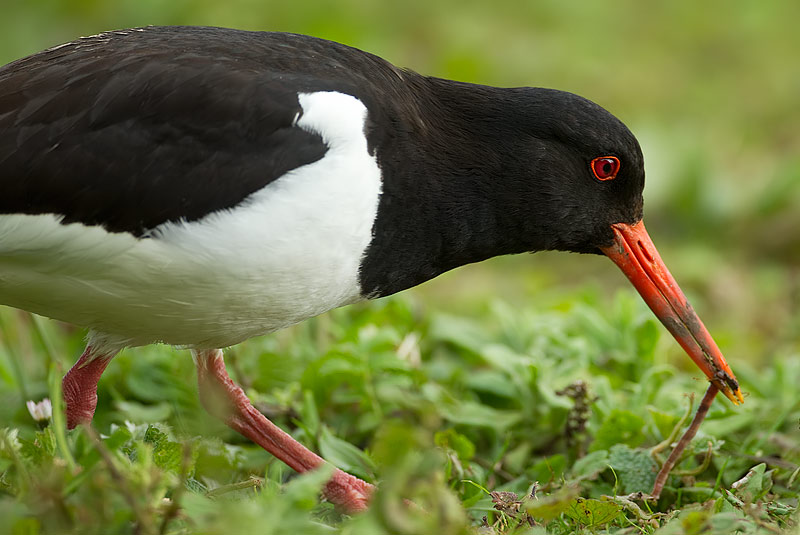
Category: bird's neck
<point>448,198</point>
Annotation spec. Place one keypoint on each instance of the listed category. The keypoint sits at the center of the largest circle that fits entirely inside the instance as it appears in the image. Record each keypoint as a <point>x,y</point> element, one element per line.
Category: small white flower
<point>41,411</point>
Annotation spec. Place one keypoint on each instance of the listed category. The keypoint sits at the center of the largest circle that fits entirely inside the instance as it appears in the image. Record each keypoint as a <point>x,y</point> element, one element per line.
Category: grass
<point>453,411</point>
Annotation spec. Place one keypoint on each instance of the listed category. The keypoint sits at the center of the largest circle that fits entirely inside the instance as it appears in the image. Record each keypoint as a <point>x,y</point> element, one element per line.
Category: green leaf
<point>344,455</point>
<point>620,427</point>
<point>647,334</point>
<point>196,486</point>
<point>780,509</point>
<point>754,485</point>
<point>453,440</point>
<point>167,454</point>
<point>548,469</point>
<point>477,414</point>
<point>459,331</point>
<point>119,436</point>
<point>731,522</point>
<point>42,448</point>
<point>590,465</point>
<point>394,439</point>
<point>155,436</point>
<point>689,522</point>
<point>592,513</point>
<point>728,425</point>
<point>549,507</point>
<point>635,468</point>
<point>309,413</point>
<point>663,421</point>
<point>492,382</point>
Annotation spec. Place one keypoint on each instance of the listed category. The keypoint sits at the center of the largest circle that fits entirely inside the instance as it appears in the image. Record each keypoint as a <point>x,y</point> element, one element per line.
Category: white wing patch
<point>291,251</point>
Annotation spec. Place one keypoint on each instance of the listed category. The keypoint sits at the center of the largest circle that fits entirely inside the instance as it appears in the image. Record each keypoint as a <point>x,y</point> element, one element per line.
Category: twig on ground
<point>687,437</point>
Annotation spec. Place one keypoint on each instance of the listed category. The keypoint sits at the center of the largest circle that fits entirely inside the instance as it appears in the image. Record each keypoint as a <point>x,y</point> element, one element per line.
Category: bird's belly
<point>138,291</point>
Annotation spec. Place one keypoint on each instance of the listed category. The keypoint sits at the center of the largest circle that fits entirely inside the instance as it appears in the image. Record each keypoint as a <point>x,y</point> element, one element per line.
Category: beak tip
<point>735,396</point>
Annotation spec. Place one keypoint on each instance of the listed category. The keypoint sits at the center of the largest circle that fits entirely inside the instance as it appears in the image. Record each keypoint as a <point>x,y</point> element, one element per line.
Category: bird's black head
<point>527,169</point>
<point>473,171</point>
<point>580,168</point>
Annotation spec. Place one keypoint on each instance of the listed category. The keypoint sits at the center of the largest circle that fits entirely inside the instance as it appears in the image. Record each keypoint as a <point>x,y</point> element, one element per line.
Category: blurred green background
<point>711,90</point>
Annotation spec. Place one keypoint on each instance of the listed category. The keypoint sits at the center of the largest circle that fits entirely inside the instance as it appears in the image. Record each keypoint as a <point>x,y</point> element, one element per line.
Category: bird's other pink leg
<point>225,400</point>
<point>80,386</point>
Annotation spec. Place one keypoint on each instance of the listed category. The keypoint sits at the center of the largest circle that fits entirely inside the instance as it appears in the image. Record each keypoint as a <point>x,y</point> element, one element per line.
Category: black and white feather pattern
<point>178,194</point>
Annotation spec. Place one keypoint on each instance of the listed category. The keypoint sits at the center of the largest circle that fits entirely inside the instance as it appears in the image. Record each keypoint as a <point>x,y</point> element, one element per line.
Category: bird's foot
<point>348,492</point>
<point>79,387</point>
<point>224,399</point>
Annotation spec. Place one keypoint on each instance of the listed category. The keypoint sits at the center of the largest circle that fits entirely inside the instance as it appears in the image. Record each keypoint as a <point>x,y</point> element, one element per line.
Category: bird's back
<point>147,117</point>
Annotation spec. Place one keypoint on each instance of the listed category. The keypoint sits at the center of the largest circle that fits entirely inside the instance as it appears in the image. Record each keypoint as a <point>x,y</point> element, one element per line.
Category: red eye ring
<point>605,167</point>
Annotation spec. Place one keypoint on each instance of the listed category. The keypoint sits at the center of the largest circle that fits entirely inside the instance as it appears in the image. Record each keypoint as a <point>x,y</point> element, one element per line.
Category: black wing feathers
<point>130,131</point>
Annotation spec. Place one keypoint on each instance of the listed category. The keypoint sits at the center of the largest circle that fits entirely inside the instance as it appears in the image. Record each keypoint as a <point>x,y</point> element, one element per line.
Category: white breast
<point>291,251</point>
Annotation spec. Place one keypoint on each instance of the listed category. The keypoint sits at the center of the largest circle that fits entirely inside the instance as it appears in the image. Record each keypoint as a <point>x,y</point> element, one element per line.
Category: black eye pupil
<point>607,168</point>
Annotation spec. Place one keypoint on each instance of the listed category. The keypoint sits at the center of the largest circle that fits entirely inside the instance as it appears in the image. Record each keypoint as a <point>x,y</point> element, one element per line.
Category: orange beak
<point>633,251</point>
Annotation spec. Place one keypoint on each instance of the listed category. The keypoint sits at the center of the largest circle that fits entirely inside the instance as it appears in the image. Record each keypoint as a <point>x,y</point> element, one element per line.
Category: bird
<point>199,186</point>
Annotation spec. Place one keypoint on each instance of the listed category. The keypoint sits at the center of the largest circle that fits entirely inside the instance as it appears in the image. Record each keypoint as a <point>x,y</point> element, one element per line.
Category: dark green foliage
<point>458,415</point>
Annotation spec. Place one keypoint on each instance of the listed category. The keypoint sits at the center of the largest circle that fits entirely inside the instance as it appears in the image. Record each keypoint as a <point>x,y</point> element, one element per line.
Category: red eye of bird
<point>605,167</point>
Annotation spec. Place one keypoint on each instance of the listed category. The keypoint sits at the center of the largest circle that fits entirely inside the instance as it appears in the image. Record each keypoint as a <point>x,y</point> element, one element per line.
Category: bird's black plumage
<point>132,129</point>
<point>129,130</point>
<point>490,171</point>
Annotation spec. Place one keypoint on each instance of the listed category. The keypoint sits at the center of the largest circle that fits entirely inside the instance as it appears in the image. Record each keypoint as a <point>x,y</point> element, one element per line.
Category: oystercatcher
<point>201,186</point>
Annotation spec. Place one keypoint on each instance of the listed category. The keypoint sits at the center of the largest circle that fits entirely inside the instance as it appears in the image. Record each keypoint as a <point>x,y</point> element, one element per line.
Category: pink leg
<point>225,400</point>
<point>80,386</point>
